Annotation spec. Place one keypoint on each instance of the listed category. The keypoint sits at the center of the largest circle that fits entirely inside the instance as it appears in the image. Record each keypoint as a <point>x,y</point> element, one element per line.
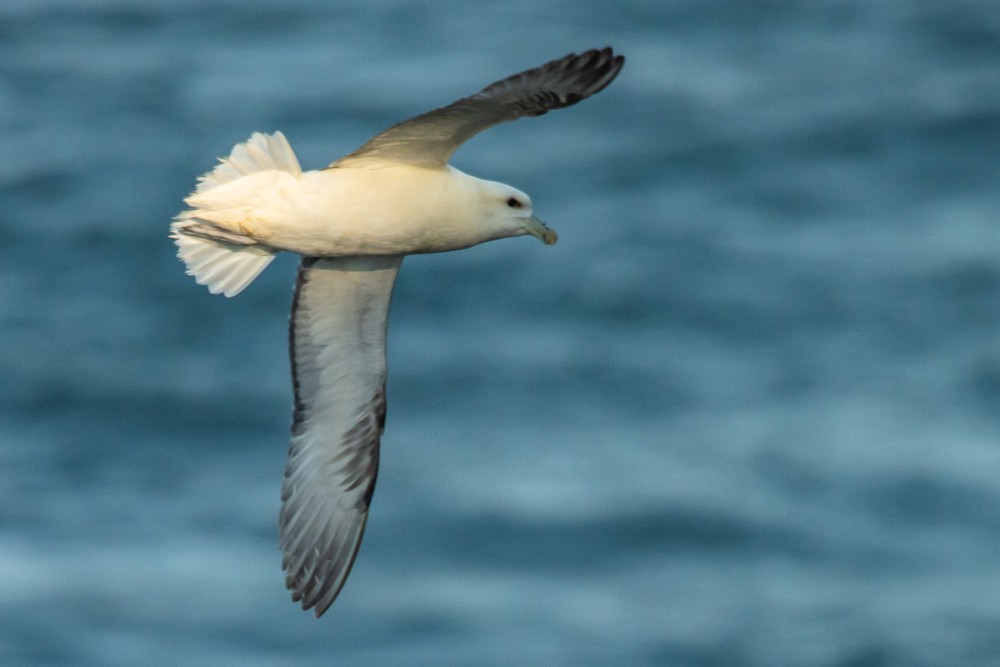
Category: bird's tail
<point>219,258</point>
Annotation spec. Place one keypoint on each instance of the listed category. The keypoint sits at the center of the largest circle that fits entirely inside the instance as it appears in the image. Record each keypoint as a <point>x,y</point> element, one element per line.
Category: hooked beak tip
<point>541,231</point>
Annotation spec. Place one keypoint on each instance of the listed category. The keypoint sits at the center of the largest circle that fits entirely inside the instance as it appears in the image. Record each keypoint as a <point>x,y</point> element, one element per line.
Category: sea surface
<point>746,412</point>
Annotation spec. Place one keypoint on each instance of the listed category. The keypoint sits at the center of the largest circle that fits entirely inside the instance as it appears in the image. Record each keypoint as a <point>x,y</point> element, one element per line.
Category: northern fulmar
<point>352,223</point>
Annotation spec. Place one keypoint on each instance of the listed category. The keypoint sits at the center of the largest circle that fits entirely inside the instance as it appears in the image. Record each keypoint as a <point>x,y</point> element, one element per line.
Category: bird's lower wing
<point>337,340</point>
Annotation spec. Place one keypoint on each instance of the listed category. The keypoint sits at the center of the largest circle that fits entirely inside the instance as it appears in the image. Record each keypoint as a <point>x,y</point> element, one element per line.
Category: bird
<point>352,223</point>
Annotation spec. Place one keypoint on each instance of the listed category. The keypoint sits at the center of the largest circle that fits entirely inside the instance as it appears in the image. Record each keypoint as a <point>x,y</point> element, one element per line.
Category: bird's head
<point>508,211</point>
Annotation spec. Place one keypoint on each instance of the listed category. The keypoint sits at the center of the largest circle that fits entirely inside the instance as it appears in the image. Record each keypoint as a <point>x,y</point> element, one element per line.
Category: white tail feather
<point>258,153</point>
<point>221,259</point>
<point>224,268</point>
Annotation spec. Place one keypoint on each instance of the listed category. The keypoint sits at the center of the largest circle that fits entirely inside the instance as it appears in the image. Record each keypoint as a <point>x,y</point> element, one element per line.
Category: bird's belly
<point>338,218</point>
<point>346,233</point>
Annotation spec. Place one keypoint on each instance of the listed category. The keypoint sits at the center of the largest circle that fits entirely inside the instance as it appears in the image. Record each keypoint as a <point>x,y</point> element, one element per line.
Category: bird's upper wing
<point>337,341</point>
<point>430,139</point>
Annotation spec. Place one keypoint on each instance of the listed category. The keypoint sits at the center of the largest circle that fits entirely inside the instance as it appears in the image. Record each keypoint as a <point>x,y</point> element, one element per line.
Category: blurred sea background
<point>746,412</point>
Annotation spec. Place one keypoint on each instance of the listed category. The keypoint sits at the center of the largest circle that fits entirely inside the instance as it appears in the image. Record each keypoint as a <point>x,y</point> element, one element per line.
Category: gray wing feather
<point>337,343</point>
<point>432,138</point>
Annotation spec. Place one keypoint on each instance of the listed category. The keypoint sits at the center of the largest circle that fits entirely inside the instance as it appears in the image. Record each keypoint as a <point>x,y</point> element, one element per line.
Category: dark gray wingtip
<point>571,79</point>
<point>605,65</point>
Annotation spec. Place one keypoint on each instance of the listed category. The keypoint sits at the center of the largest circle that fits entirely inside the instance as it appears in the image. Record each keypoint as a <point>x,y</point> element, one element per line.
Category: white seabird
<point>352,223</point>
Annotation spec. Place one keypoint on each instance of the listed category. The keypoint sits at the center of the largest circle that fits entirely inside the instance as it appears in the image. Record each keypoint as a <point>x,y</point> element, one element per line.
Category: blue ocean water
<point>747,411</point>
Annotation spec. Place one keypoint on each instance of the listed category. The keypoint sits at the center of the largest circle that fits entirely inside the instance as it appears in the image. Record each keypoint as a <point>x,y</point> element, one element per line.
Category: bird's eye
<point>513,202</point>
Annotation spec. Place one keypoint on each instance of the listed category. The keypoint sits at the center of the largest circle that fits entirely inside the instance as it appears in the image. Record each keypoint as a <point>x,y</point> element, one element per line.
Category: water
<point>746,412</point>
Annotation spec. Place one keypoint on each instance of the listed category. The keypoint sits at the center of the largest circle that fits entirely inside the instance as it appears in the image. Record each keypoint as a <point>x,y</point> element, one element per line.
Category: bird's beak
<point>537,228</point>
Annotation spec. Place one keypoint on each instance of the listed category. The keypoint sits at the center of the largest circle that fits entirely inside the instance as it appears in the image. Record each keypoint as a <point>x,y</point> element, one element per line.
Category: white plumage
<point>352,223</point>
